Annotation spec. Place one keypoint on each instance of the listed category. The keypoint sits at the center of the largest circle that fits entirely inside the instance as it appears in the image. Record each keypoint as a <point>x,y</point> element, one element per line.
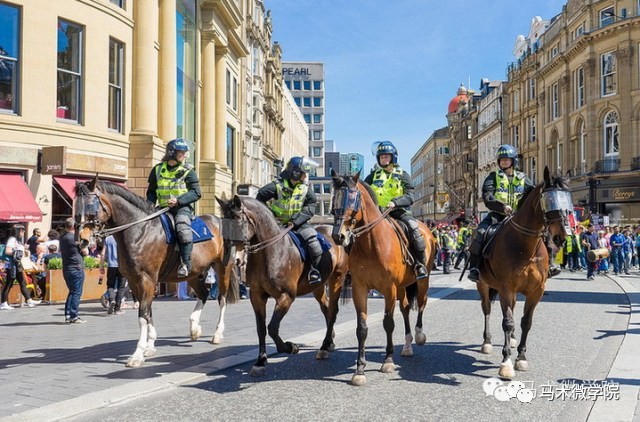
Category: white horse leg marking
<point>194,321</point>
<point>421,337</point>
<point>137,359</point>
<point>151,343</point>
<point>218,336</point>
<point>407,349</point>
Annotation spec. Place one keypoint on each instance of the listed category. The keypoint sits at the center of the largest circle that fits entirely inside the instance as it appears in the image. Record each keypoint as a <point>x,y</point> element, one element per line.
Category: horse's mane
<point>370,190</point>
<point>263,212</point>
<point>351,183</point>
<point>127,195</point>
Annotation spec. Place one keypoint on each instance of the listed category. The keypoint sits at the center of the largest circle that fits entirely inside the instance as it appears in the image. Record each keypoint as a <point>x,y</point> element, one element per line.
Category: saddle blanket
<point>200,230</point>
<point>299,242</point>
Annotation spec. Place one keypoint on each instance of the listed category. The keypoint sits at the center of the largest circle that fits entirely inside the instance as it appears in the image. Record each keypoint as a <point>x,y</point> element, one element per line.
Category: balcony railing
<point>635,163</point>
<point>608,165</point>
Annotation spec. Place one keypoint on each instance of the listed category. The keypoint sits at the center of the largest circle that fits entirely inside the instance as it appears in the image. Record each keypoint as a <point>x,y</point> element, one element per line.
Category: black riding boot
<point>420,267</point>
<point>315,255</point>
<point>475,249</point>
<point>185,257</point>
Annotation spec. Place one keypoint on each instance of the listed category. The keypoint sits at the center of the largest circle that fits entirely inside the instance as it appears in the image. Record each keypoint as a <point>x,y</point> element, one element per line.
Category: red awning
<point>68,184</point>
<point>16,201</point>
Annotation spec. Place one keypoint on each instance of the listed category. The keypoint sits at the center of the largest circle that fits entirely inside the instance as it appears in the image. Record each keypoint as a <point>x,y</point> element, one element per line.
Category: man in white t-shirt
<point>14,250</point>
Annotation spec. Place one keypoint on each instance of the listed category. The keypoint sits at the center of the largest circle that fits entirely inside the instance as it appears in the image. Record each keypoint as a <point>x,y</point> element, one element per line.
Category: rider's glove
<point>391,204</point>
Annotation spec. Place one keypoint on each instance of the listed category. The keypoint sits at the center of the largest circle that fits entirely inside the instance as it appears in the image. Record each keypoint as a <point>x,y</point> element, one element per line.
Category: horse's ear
<point>222,201</point>
<point>547,176</point>
<point>237,201</point>
<point>93,183</point>
<point>333,173</point>
<point>357,176</point>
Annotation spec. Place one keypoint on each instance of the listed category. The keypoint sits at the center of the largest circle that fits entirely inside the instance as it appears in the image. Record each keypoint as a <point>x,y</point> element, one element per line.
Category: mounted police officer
<point>292,202</point>
<point>174,184</point>
<point>501,192</point>
<point>394,190</point>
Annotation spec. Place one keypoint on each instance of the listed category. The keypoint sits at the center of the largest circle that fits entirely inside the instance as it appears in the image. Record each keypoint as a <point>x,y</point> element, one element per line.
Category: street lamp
<point>471,163</point>
<point>611,14</point>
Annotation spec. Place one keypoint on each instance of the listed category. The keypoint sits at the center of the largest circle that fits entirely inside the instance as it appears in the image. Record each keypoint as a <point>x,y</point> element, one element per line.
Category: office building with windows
<point>305,80</point>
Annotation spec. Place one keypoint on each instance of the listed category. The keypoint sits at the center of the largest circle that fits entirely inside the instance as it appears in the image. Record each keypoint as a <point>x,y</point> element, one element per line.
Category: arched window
<point>611,140</point>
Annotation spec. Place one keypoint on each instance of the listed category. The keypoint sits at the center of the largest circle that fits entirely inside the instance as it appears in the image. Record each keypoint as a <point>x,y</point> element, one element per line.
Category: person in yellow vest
<point>394,189</point>
<point>573,248</point>
<point>292,202</point>
<point>501,191</point>
<point>174,183</point>
<point>464,237</point>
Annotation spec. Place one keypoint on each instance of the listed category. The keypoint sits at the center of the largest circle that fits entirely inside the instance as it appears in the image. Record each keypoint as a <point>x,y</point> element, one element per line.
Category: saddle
<point>300,244</point>
<point>488,240</point>
<point>200,230</point>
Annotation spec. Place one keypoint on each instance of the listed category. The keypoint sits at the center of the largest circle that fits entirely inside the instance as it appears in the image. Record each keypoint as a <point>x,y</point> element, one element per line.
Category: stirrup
<point>314,276</point>
<point>554,271</point>
<point>421,271</point>
<point>474,275</point>
<point>183,271</point>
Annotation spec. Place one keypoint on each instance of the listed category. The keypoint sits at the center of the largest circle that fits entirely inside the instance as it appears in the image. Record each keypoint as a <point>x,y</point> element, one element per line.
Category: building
<point>431,199</point>
<point>306,82</point>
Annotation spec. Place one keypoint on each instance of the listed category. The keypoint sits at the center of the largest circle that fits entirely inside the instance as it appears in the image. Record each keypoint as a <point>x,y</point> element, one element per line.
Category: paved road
<point>50,370</point>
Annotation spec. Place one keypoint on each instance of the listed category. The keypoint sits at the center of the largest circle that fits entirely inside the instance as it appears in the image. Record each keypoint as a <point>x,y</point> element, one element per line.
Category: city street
<point>51,371</point>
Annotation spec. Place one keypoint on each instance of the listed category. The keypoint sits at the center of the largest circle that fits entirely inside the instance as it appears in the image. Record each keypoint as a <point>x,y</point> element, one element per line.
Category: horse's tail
<point>233,292</point>
<point>493,293</point>
<point>412,295</point>
<point>346,289</point>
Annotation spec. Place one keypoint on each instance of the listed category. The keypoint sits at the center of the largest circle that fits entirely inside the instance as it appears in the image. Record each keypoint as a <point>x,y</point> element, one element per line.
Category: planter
<point>57,290</point>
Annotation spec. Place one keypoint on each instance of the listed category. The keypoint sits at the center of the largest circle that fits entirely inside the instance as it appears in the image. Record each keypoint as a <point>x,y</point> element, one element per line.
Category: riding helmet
<point>507,151</point>
<point>386,147</point>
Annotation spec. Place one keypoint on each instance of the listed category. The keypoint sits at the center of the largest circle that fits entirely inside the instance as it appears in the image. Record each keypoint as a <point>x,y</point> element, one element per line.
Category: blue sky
<point>391,67</point>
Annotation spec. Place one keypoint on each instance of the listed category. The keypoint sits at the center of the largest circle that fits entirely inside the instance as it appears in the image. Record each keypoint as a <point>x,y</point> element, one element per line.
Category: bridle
<point>552,201</point>
<point>236,231</point>
<point>350,199</point>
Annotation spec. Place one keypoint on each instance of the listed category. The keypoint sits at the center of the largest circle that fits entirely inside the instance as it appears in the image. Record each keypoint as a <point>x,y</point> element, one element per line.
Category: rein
<point>524,230</point>
<point>108,232</point>
<point>357,232</point>
<point>264,244</point>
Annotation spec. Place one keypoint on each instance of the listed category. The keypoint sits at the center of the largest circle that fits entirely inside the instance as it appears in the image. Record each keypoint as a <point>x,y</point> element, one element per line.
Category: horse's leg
<point>259,304</point>
<point>146,342</point>
<point>359,293</point>
<point>485,303</point>
<point>218,336</point>
<point>389,324</point>
<point>194,320</point>
<point>405,307</point>
<point>508,325</point>
<point>525,325</point>
<point>423,295</point>
<point>514,341</point>
<point>283,303</point>
<point>329,308</point>
<point>226,286</point>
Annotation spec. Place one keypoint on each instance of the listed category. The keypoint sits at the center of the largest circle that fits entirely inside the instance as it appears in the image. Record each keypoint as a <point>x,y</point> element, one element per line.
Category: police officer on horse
<point>394,189</point>
<point>292,202</point>
<point>174,183</point>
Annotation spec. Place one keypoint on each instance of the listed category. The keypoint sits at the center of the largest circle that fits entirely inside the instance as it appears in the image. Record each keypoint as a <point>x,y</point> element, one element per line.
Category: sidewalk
<point>52,371</point>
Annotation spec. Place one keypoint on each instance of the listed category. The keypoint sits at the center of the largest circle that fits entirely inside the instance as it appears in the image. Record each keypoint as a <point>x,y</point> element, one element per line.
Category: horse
<point>519,263</point>
<point>145,258</point>
<point>274,269</point>
<point>378,259</point>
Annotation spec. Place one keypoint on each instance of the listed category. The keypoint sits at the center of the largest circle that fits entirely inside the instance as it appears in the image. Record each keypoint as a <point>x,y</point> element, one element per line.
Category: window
<point>297,101</point>
<point>607,16</point>
<point>578,31</point>
<point>608,73</point>
<point>583,139</point>
<point>235,93</point>
<point>611,143</point>
<point>317,151</point>
<point>532,89</point>
<point>228,85</point>
<point>70,46</point>
<point>555,101</point>
<point>231,134</point>
<point>288,84</point>
<point>317,136</point>
<point>306,85</point>
<point>579,87</point>
<point>554,51</point>
<point>116,61</point>
<point>306,101</point>
<point>296,85</point>
<point>9,57</point>
<point>532,129</point>
<point>317,85</point>
<point>326,188</point>
<point>307,118</point>
<point>317,118</point>
<point>119,3</point>
<point>516,100</point>
<point>316,188</point>
<point>317,102</point>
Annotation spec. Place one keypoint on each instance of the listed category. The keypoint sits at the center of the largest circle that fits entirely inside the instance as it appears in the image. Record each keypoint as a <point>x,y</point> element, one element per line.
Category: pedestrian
<point>115,280</point>
<point>14,252</point>
<point>174,183</point>
<point>627,250</point>
<point>72,271</point>
<point>35,239</point>
<point>573,250</point>
<point>589,241</point>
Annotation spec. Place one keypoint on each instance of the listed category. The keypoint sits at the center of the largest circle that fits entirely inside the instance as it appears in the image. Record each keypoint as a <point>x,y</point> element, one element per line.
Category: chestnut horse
<point>274,269</point>
<point>519,263</point>
<point>378,259</point>
<point>145,258</point>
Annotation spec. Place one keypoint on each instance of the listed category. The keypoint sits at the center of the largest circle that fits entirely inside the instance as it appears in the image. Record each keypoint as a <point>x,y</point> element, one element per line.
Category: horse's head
<point>92,210</point>
<point>557,206</point>
<point>346,207</point>
<point>235,221</point>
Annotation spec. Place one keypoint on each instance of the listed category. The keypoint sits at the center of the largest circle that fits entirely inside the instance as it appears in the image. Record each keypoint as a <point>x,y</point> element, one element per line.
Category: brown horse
<point>274,269</point>
<point>378,259</point>
<point>519,263</point>
<point>145,258</point>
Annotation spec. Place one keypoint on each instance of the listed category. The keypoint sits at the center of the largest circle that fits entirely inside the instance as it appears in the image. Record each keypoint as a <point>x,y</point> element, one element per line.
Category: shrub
<point>55,264</point>
<point>91,262</point>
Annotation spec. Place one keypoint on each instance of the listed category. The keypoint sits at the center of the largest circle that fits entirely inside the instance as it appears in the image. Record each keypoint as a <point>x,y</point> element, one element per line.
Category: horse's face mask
<point>91,213</point>
<point>345,206</point>
<point>558,213</point>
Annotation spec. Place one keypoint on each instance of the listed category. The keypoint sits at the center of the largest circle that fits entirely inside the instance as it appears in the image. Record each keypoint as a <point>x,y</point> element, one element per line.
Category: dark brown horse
<point>145,258</point>
<point>519,263</point>
<point>274,269</point>
<point>378,259</point>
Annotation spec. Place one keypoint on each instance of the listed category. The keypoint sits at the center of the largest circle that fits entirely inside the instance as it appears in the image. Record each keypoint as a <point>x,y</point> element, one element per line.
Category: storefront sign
<point>57,161</point>
<point>624,194</point>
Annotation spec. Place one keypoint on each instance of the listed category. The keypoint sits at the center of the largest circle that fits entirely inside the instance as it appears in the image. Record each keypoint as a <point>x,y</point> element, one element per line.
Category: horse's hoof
<point>257,371</point>
<point>216,339</point>
<point>332,347</point>
<point>408,352</point>
<point>134,362</point>
<point>322,355</point>
<point>421,338</point>
<point>388,368</point>
<point>513,343</point>
<point>196,333</point>
<point>486,349</point>
<point>522,365</point>
<point>294,349</point>
<point>358,380</point>
<point>149,352</point>
<point>506,370</point>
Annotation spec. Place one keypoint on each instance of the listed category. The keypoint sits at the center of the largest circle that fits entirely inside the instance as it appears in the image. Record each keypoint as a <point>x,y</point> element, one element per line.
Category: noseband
<point>236,232</point>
